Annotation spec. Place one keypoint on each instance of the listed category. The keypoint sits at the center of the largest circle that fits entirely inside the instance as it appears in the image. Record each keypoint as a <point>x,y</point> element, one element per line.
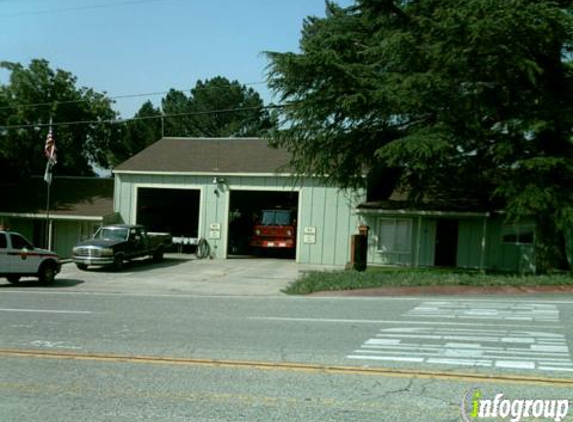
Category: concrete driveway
<point>182,273</point>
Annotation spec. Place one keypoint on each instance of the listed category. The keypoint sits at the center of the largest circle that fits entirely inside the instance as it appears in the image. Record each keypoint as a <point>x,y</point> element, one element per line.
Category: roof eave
<point>366,211</point>
<point>53,216</point>
<point>203,173</point>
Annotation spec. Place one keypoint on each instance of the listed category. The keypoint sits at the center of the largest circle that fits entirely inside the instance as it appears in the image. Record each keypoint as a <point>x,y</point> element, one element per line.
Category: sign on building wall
<point>309,235</point>
<point>214,231</point>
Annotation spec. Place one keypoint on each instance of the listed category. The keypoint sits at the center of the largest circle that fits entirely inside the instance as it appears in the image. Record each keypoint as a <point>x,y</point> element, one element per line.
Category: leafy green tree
<point>217,107</point>
<point>33,95</point>
<point>176,103</point>
<point>214,108</point>
<point>220,94</point>
<point>137,134</point>
<point>451,92</point>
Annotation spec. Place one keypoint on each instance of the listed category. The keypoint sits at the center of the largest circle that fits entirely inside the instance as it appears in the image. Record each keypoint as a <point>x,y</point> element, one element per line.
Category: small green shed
<point>78,206</point>
<point>462,234</point>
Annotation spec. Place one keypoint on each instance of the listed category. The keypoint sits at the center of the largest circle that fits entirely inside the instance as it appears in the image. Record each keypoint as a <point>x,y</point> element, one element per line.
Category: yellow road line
<point>285,366</point>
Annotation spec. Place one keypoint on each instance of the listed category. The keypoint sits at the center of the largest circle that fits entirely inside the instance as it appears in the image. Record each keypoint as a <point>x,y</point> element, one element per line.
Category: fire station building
<point>218,190</point>
<point>215,189</point>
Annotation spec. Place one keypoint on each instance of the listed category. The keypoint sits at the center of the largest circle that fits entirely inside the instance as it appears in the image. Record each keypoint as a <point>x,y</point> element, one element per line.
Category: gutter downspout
<point>483,242</point>
<point>418,238</point>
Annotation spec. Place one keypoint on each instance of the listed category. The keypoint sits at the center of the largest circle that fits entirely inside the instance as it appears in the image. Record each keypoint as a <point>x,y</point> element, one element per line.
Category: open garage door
<point>251,209</point>
<point>175,211</point>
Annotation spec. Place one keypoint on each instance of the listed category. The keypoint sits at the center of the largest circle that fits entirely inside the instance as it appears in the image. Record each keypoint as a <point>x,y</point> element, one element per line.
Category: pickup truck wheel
<point>13,279</point>
<point>158,255</point>
<point>118,262</point>
<point>82,267</point>
<point>47,274</point>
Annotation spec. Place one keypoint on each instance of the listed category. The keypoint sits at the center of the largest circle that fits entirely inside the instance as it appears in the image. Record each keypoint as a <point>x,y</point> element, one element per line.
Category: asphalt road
<point>70,355</point>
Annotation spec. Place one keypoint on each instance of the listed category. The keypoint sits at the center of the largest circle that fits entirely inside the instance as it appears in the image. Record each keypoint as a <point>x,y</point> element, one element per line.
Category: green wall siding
<point>66,233</point>
<point>507,257</point>
<point>470,236</point>
<point>328,209</point>
<point>428,242</point>
<point>470,254</point>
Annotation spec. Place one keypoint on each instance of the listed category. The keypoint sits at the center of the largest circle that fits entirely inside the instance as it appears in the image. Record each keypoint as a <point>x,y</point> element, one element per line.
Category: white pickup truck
<point>19,258</point>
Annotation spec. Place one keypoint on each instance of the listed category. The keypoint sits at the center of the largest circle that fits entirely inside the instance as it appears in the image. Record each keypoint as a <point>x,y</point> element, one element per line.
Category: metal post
<point>483,242</point>
<point>418,241</point>
<point>47,241</point>
<point>48,180</point>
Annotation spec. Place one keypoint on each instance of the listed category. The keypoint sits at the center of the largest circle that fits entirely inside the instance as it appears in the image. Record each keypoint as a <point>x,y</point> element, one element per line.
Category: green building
<point>198,188</point>
<point>213,189</point>
<point>78,206</point>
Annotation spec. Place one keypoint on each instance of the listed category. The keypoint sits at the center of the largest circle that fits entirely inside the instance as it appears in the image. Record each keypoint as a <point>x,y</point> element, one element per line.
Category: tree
<point>138,133</point>
<point>216,107</point>
<point>479,89</point>
<point>176,103</point>
<point>33,96</point>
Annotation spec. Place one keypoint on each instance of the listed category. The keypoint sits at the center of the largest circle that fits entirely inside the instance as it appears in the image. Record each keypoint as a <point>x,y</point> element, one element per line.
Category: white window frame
<point>518,230</point>
<point>394,224</point>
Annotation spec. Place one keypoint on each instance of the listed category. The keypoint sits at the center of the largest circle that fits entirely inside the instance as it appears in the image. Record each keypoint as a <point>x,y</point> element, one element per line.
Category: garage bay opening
<point>263,223</point>
<point>175,211</point>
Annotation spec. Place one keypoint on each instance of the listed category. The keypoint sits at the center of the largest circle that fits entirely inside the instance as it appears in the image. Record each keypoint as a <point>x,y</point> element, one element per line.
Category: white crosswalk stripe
<point>469,347</point>
<point>480,310</point>
<point>514,348</point>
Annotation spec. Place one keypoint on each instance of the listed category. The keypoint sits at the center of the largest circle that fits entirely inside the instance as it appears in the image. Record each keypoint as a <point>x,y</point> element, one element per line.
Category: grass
<point>316,281</point>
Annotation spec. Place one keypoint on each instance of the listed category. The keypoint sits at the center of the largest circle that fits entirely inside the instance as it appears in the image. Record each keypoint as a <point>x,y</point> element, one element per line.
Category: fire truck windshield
<point>276,218</point>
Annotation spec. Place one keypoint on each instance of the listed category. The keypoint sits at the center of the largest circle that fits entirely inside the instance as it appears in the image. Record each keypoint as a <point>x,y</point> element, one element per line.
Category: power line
<point>118,97</point>
<point>161,116</point>
<point>77,8</point>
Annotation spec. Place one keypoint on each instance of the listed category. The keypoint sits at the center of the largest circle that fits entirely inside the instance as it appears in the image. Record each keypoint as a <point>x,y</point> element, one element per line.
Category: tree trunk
<point>550,249</point>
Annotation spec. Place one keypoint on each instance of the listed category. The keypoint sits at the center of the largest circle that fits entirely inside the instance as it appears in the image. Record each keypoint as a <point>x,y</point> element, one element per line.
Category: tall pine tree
<point>480,89</point>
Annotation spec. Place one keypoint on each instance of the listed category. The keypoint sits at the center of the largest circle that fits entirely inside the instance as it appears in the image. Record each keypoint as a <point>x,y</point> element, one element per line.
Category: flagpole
<point>48,237</point>
<point>48,179</point>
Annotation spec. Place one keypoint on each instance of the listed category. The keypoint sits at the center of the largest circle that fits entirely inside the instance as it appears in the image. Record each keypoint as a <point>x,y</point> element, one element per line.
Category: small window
<point>394,235</point>
<point>518,234</point>
<point>3,241</point>
<point>18,242</point>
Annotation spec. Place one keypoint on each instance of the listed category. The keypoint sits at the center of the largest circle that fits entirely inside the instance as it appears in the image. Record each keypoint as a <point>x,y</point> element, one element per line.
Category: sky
<point>128,47</point>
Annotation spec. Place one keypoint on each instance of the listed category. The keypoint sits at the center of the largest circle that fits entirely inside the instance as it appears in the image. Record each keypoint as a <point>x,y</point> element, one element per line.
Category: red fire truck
<point>275,229</point>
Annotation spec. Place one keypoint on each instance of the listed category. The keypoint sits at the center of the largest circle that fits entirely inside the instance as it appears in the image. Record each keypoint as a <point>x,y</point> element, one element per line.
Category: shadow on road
<point>139,265</point>
<point>58,284</point>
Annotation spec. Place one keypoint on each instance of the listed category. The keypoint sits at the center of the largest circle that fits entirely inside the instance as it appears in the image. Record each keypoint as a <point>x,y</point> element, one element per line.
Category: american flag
<point>50,147</point>
<point>50,153</point>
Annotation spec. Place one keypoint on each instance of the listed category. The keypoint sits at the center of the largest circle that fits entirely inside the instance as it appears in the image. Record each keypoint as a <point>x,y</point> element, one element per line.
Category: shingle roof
<point>438,205</point>
<point>69,196</point>
<point>209,155</point>
<point>452,200</point>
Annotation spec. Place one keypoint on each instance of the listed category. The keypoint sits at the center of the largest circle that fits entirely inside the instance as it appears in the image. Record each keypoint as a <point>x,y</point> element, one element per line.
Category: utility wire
<point>77,8</point>
<point>118,97</point>
<point>161,116</point>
